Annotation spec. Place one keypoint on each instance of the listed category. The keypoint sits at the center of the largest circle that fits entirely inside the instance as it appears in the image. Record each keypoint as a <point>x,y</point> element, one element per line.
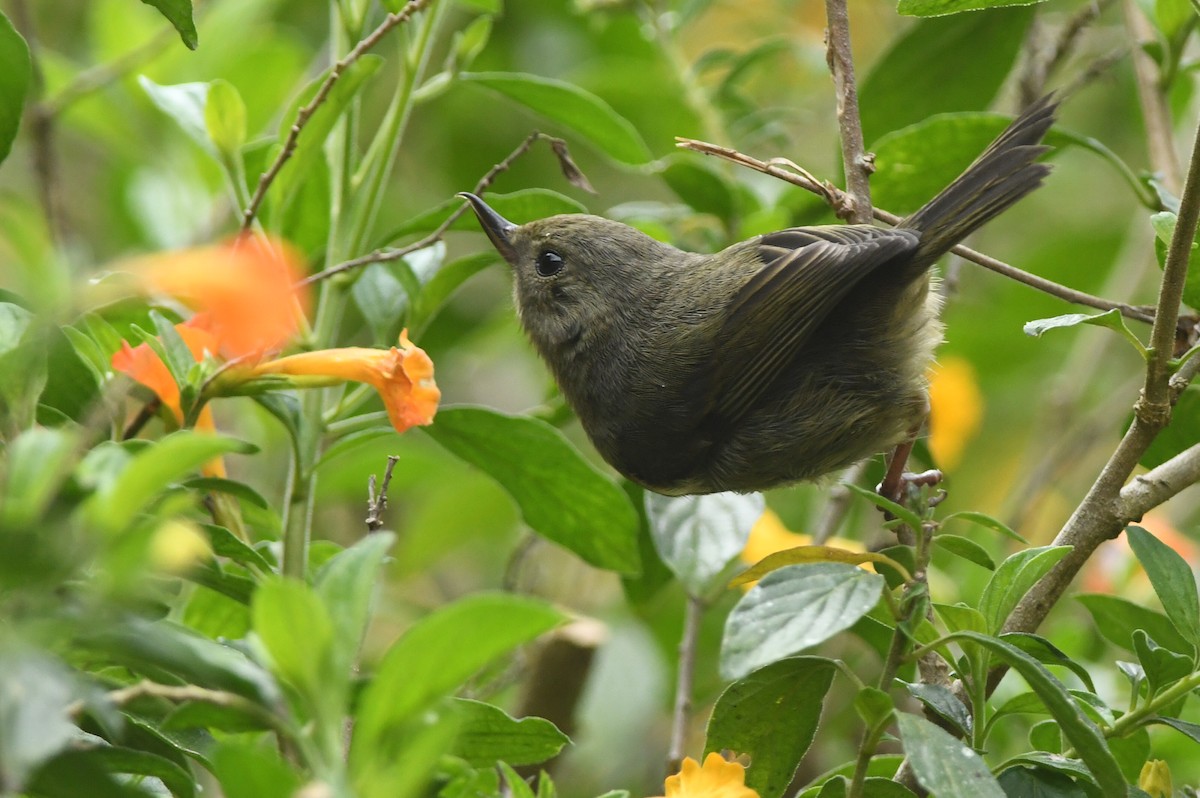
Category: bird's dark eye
<point>549,263</point>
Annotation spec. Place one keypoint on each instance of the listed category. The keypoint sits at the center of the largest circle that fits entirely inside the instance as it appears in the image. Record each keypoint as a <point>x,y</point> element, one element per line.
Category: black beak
<point>496,226</point>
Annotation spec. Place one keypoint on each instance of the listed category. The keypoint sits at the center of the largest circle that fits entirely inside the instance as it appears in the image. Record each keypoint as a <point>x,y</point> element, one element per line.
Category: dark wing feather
<point>807,272</point>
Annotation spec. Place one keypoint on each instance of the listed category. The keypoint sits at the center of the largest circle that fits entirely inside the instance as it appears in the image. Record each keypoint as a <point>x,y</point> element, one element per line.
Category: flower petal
<point>717,778</point>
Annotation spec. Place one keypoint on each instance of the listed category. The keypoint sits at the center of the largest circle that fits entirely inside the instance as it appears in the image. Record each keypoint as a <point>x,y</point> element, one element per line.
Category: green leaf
<point>470,41</point>
<point>560,495</point>
<point>75,772</point>
<point>945,766</point>
<point>518,207</point>
<point>1047,653</point>
<point>571,107</point>
<point>225,118</point>
<point>149,472</point>
<point>34,693</point>
<point>252,771</point>
<point>960,617</point>
<point>39,459</point>
<point>1181,434</point>
<point>944,703</point>
<point>179,14</point>
<point>226,544</point>
<point>184,103</point>
<point>1013,579</point>
<point>966,548</point>
<point>1076,727</point>
<point>988,522</point>
<point>940,8</point>
<point>699,536</point>
<point>442,285</point>
<point>230,487</point>
<point>792,609</point>
<point>899,511</point>
<point>346,586</point>
<point>1172,579</point>
<point>23,352</point>
<point>15,73</point>
<point>487,735</point>
<point>1111,319</point>
<point>148,647</point>
<point>383,299</point>
<point>874,706</point>
<point>702,187</point>
<point>297,632</point>
<point>771,715</point>
<point>1117,618</point>
<point>119,760</point>
<point>430,659</point>
<point>1192,730</point>
<point>1162,666</point>
<point>907,84</point>
<point>914,163</point>
<point>1131,752</point>
<point>1038,782</point>
<point>402,765</point>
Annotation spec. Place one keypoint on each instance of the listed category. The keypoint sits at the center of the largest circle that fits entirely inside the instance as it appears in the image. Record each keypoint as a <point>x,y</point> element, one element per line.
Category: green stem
<point>381,155</point>
<point>1132,720</point>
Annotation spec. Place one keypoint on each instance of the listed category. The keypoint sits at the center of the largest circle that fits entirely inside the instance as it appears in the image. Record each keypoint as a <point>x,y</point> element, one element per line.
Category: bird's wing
<point>807,272</point>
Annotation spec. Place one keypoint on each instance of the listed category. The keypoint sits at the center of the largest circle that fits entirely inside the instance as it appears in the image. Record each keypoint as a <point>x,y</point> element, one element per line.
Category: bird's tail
<point>1005,172</point>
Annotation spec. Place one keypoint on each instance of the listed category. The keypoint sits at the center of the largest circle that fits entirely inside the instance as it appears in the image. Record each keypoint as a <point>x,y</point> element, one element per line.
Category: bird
<point>780,359</point>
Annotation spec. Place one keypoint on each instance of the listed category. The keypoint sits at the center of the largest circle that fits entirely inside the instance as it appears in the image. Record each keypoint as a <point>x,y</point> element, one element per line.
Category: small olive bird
<point>779,359</point>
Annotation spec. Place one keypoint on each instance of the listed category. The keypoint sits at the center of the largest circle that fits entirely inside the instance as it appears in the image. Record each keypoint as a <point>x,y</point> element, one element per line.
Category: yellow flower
<point>1155,779</point>
<point>955,410</point>
<point>402,375</point>
<point>716,779</point>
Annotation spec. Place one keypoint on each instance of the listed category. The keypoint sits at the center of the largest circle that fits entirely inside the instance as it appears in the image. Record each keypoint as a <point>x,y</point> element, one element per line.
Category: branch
<point>376,504</point>
<point>683,685</point>
<point>188,692</point>
<point>570,171</point>
<point>305,113</point>
<point>857,162</point>
<point>785,170</point>
<point>1155,114</point>
<point>1110,504</point>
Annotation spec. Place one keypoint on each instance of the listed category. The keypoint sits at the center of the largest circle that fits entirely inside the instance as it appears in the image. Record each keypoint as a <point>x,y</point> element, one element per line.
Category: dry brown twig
<point>377,501</point>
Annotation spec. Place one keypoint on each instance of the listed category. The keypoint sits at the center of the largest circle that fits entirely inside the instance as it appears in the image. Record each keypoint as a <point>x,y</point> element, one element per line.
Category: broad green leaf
<point>149,647</point>
<point>470,41</point>
<point>179,14</point>
<point>1131,752</point>
<point>225,118</point>
<point>560,495</point>
<point>431,659</point>
<point>771,715</point>
<point>252,771</point>
<point>792,609</point>
<point>73,379</point>
<point>34,693</point>
<point>226,544</point>
<point>442,285</point>
<point>1181,434</point>
<point>960,617</point>
<point>1192,730</point>
<point>1047,653</point>
<point>1040,783</point>
<point>988,522</point>
<point>966,548</point>
<point>518,207</point>
<point>571,107</point>
<point>402,765</point>
<point>914,163</point>
<point>940,8</point>
<point>806,554</point>
<point>128,761</point>
<point>1083,735</point>
<point>945,703</point>
<point>487,735</point>
<point>15,73</point>
<point>1172,579</point>
<point>1013,579</point>
<point>898,510</point>
<point>297,631</point>
<point>38,461</point>
<point>74,773</point>
<point>1116,619</point>
<point>874,706</point>
<point>149,472</point>
<point>383,300</point>
<point>184,103</point>
<point>699,536</point>
<point>945,766</point>
<point>908,83</point>
<point>1111,319</point>
<point>230,487</point>
<point>701,186</point>
<point>1162,666</point>
<point>23,352</point>
<point>347,585</point>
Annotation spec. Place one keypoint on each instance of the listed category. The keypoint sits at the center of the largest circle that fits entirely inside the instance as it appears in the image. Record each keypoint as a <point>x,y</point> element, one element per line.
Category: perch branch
<point>858,164</point>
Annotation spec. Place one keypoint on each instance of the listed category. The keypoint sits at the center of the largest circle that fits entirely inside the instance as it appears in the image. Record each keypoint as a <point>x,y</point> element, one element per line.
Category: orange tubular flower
<point>716,779</point>
<point>402,375</point>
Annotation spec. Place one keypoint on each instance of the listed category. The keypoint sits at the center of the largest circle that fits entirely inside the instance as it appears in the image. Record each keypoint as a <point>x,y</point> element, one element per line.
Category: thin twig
<point>388,255</point>
<point>377,503</point>
<point>838,503</point>
<point>1043,61</point>
<point>857,162</point>
<point>41,128</point>
<point>683,685</point>
<point>787,171</point>
<point>1104,512</point>
<point>187,692</point>
<point>305,113</point>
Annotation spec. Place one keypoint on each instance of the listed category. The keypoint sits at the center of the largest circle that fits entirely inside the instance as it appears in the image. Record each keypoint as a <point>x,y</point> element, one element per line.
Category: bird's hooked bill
<point>495,225</point>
